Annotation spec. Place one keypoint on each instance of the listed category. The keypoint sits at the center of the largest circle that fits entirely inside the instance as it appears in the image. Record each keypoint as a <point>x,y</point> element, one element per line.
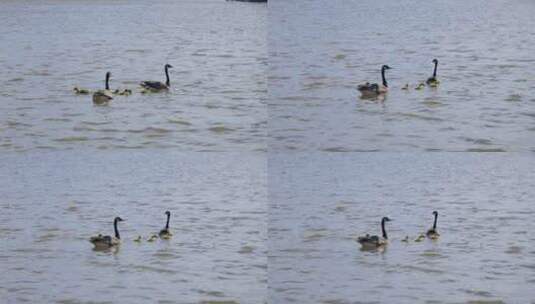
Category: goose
<point>124,92</point>
<point>433,81</point>
<point>152,238</point>
<point>157,86</point>
<point>405,87</point>
<point>374,241</point>
<point>80,91</point>
<point>103,96</point>
<point>420,86</point>
<point>105,241</point>
<point>433,233</point>
<point>165,233</point>
<point>374,89</point>
<point>138,239</point>
<point>420,238</point>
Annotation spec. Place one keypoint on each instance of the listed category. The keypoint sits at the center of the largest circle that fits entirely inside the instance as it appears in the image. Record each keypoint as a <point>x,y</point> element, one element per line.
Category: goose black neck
<point>435,223</point>
<point>167,82</point>
<point>168,218</point>
<point>116,230</point>
<point>435,70</point>
<point>383,229</point>
<point>383,76</point>
<point>107,81</point>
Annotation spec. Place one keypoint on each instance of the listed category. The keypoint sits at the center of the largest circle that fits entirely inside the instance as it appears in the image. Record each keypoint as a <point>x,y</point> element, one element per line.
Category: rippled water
<point>321,50</point>
<point>320,203</point>
<point>218,97</point>
<point>52,203</point>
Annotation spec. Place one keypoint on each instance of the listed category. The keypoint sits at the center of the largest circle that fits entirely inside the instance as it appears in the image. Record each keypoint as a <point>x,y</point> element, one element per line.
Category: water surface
<point>52,202</point>
<point>218,96</point>
<point>319,51</point>
<point>320,204</point>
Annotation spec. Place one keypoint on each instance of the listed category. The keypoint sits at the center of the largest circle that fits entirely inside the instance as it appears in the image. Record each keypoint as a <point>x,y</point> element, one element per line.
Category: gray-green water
<point>321,50</point>
<point>52,202</point>
<point>320,204</point>
<point>218,96</point>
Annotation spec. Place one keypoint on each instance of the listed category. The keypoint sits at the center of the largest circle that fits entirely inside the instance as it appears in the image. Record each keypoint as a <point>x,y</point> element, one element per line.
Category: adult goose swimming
<point>373,241</point>
<point>374,89</point>
<point>103,96</point>
<point>433,81</point>
<point>157,86</point>
<point>433,233</point>
<point>105,241</point>
<point>165,233</point>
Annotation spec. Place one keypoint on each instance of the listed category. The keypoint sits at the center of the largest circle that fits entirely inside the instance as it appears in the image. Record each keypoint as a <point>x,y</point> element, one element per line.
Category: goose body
<point>157,86</point>
<point>103,96</point>
<point>433,233</point>
<point>433,81</point>
<point>106,241</point>
<point>374,241</point>
<point>165,233</point>
<point>373,89</point>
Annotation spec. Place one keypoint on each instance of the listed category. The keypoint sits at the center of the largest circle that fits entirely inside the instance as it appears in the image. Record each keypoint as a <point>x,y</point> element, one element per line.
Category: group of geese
<point>373,242</point>
<point>103,242</point>
<point>374,90</point>
<point>101,97</point>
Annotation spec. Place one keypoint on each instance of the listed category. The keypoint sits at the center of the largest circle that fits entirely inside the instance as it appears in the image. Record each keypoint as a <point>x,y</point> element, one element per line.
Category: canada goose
<point>103,96</point>
<point>433,81</point>
<point>157,86</point>
<point>105,241</point>
<point>433,233</point>
<point>374,89</point>
<point>373,241</point>
<point>420,86</point>
<point>165,233</point>
<point>152,238</point>
<point>80,91</point>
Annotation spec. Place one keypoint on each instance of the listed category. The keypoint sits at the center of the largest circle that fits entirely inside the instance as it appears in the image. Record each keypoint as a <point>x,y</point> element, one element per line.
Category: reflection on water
<point>321,50</point>
<point>218,96</point>
<point>53,202</point>
<point>321,203</point>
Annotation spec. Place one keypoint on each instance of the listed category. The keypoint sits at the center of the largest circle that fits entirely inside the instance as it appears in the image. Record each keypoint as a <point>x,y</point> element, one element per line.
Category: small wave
<point>149,130</point>
<point>422,117</point>
<point>221,129</point>
<point>71,139</point>
<point>485,150</point>
<point>179,121</point>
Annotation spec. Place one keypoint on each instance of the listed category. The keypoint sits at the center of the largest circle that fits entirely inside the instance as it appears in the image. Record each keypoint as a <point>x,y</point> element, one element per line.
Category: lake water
<point>320,204</point>
<point>52,202</point>
<point>319,51</point>
<point>219,91</point>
